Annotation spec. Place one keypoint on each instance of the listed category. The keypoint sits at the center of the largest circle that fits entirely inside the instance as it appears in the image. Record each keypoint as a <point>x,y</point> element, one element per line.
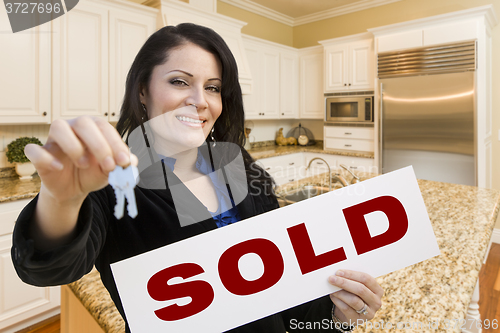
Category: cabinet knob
<point>292,163</point>
<point>106,114</point>
<point>349,84</point>
<point>345,84</point>
<point>283,114</point>
<point>44,114</point>
<point>113,114</point>
<point>291,180</point>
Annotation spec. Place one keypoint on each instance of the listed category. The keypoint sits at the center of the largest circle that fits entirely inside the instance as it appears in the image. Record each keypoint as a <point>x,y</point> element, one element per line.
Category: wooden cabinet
<point>349,63</point>
<point>349,138</point>
<point>275,76</point>
<point>93,48</point>
<point>22,304</point>
<point>311,101</point>
<point>25,69</point>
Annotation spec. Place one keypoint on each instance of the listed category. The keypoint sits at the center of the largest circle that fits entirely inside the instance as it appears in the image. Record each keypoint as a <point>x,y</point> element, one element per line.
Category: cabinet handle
<point>347,133</point>
<point>113,114</point>
<point>291,180</point>
<point>353,167</point>
<point>44,114</point>
<point>106,114</point>
<point>319,162</point>
<point>291,163</point>
<point>347,145</point>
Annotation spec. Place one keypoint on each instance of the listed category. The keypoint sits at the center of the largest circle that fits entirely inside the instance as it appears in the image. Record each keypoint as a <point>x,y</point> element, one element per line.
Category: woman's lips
<point>192,122</point>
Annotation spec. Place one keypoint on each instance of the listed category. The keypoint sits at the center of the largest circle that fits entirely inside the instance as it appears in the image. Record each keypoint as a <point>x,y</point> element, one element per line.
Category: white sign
<point>227,277</point>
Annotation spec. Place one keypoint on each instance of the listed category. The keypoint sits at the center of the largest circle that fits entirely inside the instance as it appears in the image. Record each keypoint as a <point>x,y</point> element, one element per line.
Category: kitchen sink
<point>300,194</point>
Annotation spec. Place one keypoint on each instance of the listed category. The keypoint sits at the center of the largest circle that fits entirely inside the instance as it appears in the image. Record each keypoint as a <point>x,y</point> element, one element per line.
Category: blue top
<point>227,212</point>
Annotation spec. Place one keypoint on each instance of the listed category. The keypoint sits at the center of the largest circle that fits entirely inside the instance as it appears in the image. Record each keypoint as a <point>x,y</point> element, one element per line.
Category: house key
<point>123,182</point>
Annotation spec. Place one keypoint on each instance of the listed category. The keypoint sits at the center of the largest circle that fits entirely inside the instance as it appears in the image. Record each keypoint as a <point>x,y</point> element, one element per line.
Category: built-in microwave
<point>349,108</point>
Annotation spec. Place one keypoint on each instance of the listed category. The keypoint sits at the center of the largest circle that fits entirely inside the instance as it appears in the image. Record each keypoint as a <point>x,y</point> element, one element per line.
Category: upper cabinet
<point>174,12</point>
<point>94,46</point>
<point>275,76</point>
<point>25,70</point>
<point>349,63</point>
<point>311,100</point>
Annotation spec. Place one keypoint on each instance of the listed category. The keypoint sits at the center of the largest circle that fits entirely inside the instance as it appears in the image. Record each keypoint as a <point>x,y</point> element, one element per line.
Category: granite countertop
<point>439,288</point>
<point>271,151</point>
<point>11,188</point>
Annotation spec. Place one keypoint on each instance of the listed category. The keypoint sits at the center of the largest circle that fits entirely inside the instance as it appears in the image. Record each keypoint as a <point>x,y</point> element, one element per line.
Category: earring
<point>145,111</point>
<point>212,136</point>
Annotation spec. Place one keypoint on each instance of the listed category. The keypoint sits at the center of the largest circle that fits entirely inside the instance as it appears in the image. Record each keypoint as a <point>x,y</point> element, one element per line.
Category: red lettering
<point>201,292</point>
<point>355,218</point>
<point>304,251</point>
<point>230,274</point>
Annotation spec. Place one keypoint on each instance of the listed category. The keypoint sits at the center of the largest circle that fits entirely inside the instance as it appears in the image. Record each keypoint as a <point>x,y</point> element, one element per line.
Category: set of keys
<point>123,181</point>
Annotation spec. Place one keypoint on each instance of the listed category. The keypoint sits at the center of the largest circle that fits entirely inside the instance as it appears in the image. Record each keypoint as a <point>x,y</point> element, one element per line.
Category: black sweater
<point>102,240</point>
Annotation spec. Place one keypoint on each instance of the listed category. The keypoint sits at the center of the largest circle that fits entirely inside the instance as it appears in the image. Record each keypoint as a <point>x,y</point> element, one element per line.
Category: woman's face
<point>190,76</point>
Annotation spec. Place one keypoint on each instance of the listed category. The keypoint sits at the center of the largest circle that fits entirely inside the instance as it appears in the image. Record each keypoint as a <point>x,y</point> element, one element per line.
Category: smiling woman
<point>182,96</point>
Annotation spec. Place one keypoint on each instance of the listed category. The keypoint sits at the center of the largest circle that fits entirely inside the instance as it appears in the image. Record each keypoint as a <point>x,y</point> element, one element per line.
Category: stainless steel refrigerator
<point>428,121</point>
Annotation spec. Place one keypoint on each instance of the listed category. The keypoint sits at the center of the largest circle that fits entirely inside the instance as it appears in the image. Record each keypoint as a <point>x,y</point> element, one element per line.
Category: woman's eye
<point>178,82</point>
<point>213,88</point>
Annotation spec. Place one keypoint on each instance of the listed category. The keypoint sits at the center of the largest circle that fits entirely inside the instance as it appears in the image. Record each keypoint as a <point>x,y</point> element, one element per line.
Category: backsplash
<point>9,133</point>
<point>263,133</point>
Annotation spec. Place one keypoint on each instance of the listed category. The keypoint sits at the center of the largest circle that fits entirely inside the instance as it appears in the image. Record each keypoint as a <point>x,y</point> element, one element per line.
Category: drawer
<point>359,164</point>
<point>365,133</point>
<point>9,212</point>
<point>283,178</point>
<point>349,144</point>
<point>281,163</point>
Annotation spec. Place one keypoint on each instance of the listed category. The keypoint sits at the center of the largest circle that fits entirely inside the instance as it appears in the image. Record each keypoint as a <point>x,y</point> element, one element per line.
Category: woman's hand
<point>76,160</point>
<point>358,289</point>
<point>77,157</point>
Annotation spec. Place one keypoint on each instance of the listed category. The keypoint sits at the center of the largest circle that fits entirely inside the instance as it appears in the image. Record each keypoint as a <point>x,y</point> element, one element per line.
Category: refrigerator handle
<point>381,130</point>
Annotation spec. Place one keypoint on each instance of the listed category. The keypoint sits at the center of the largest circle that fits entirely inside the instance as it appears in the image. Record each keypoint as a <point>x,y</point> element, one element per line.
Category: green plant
<point>15,149</point>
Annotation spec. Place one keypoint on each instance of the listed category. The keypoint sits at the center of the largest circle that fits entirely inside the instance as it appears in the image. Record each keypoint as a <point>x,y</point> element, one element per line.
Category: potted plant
<point>15,154</point>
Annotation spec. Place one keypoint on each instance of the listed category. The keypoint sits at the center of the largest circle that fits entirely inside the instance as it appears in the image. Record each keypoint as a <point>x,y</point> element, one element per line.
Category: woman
<point>181,91</point>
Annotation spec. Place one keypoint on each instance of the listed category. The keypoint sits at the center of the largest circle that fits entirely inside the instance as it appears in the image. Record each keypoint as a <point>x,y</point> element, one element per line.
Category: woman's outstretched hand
<point>76,160</point>
<point>77,157</point>
<point>358,289</point>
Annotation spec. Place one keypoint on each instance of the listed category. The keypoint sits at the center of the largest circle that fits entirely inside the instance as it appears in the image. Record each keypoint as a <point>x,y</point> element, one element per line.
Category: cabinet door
<point>289,85</point>
<point>361,66</point>
<point>270,84</point>
<point>19,301</point>
<point>25,71</point>
<point>81,62</point>
<point>127,34</point>
<point>252,102</point>
<point>336,68</point>
<point>312,105</point>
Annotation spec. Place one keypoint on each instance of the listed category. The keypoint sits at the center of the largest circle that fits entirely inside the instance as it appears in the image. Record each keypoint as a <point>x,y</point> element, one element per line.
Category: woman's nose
<point>197,98</point>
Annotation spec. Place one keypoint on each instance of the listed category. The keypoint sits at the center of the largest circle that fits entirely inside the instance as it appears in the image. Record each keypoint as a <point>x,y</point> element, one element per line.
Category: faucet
<point>329,171</point>
<point>354,180</point>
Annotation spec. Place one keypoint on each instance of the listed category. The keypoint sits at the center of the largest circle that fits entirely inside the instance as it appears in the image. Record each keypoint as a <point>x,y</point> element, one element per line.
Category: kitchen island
<point>437,290</point>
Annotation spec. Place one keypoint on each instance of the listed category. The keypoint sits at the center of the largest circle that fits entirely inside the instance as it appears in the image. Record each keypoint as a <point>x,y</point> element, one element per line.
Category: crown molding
<point>261,10</point>
<point>290,21</point>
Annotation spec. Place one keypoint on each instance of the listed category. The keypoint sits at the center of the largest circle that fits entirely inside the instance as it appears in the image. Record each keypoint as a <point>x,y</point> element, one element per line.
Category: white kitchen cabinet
<point>311,101</point>
<point>93,48</point>
<point>22,305</point>
<point>275,75</point>
<point>25,69</point>
<point>349,63</point>
<point>349,138</point>
<point>289,87</point>
<point>284,169</point>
